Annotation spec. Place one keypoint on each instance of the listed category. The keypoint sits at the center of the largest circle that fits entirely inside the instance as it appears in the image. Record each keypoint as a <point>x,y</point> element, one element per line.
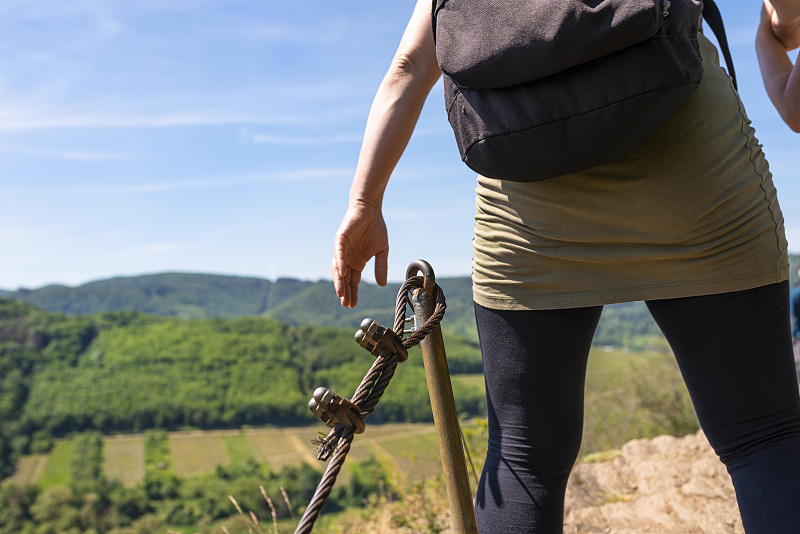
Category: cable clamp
<point>377,340</point>
<point>332,409</point>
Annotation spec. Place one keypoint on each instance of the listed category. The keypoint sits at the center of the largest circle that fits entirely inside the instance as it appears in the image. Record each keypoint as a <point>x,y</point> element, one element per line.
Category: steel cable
<point>337,443</point>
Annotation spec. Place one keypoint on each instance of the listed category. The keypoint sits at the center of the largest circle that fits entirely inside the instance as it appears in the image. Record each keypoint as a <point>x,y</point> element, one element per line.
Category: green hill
<point>292,302</point>
<point>184,295</point>
<point>296,302</point>
<point>198,296</point>
<point>125,371</point>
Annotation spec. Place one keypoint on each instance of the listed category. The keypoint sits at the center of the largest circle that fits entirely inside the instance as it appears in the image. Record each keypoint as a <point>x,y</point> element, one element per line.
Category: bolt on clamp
<point>377,339</point>
<point>410,321</point>
<point>333,409</point>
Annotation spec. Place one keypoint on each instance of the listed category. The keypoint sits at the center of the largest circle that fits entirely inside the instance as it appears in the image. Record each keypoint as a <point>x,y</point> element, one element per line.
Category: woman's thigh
<point>535,366</point>
<point>735,353</point>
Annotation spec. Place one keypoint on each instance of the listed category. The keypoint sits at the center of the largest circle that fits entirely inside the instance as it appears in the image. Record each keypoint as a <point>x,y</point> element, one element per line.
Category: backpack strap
<point>712,15</point>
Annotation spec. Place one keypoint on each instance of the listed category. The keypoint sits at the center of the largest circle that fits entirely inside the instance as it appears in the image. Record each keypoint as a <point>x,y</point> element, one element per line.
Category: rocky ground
<point>665,485</point>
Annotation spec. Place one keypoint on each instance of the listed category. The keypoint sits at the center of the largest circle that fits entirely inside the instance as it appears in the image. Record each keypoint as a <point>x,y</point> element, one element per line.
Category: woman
<point>688,222</point>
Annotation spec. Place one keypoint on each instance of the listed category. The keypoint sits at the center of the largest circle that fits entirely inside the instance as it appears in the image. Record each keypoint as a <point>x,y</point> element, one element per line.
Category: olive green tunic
<point>691,211</point>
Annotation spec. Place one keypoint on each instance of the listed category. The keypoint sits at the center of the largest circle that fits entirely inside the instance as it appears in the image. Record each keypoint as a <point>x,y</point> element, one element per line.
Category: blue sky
<point>210,136</point>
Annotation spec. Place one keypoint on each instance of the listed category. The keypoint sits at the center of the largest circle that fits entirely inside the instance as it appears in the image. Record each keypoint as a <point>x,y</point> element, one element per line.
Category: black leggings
<point>734,351</point>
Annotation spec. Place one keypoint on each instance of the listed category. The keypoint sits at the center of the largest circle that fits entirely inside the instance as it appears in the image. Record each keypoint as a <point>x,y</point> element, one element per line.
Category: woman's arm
<point>781,78</point>
<point>392,117</point>
<point>785,19</point>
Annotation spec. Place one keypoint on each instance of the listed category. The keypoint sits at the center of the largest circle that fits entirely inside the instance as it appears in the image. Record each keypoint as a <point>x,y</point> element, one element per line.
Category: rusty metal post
<point>445,417</point>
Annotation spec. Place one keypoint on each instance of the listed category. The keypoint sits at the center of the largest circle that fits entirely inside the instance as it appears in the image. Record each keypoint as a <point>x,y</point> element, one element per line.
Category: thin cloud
<point>163,248</point>
<point>42,10</point>
<point>310,140</point>
<point>59,10</point>
<point>305,141</point>
<point>326,34</point>
<point>65,154</point>
<point>107,121</point>
<point>154,188</point>
<point>38,121</point>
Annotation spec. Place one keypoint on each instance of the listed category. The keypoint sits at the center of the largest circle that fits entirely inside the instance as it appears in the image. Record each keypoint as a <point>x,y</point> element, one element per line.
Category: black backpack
<point>540,88</point>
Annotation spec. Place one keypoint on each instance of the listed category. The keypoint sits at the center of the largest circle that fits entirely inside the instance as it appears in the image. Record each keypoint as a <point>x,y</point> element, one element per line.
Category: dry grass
<point>29,469</point>
<point>268,443</point>
<point>422,509</point>
<point>193,454</point>
<point>414,455</point>
<point>124,459</point>
<point>279,447</point>
<point>251,520</point>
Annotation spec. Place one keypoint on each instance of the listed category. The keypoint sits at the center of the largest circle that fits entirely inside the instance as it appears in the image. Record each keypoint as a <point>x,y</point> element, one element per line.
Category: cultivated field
<point>124,459</point>
<point>30,469</point>
<point>409,452</point>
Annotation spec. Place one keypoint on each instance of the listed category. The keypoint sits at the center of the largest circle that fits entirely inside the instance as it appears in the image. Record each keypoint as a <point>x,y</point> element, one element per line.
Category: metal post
<point>445,417</point>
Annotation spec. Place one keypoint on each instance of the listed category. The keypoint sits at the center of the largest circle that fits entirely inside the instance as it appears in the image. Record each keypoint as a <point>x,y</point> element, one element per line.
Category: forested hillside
<point>125,371</point>
<point>295,302</point>
<point>170,294</point>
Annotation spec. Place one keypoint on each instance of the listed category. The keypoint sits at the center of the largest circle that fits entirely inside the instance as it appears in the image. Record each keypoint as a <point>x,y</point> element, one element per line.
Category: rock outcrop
<point>665,485</point>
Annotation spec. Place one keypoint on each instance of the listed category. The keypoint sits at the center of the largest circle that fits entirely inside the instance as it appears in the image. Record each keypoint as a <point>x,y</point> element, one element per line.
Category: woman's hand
<point>361,236</point>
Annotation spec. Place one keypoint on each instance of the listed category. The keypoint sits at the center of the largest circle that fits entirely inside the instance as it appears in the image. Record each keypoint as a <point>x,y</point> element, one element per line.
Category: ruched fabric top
<point>691,211</point>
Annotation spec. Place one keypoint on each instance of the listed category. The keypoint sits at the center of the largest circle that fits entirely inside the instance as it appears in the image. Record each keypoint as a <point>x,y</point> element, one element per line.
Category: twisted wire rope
<point>337,443</point>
